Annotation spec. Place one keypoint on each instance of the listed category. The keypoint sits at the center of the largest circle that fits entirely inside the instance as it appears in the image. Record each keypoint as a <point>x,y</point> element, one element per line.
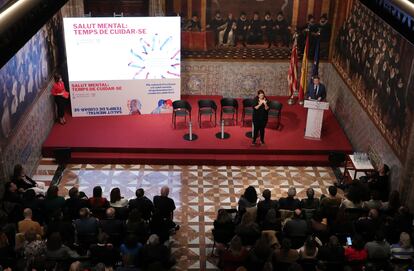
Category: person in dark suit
<point>260,116</point>
<point>112,226</point>
<point>165,206</point>
<point>316,90</point>
<point>143,204</point>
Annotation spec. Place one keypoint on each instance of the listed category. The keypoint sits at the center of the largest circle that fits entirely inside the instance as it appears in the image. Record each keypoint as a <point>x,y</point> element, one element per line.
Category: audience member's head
<point>267,194</point>
<point>297,213</point>
<point>18,172</point>
<point>291,192</point>
<point>52,192</point>
<point>333,242</point>
<point>110,213</point>
<point>73,193</point>
<point>139,193</point>
<point>223,216</point>
<point>373,213</point>
<point>310,193</point>
<point>405,240</point>
<point>332,190</point>
<point>27,213</point>
<point>4,241</point>
<point>97,192</point>
<point>236,245</point>
<point>115,195</point>
<point>250,194</point>
<point>84,213</point>
<point>153,240</point>
<point>165,191</point>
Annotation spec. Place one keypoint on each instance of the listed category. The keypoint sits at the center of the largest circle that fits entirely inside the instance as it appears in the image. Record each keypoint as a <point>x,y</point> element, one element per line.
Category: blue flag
<point>315,66</point>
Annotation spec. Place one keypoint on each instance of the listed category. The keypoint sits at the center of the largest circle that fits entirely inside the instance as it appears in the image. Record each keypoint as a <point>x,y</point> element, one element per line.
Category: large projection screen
<point>123,65</point>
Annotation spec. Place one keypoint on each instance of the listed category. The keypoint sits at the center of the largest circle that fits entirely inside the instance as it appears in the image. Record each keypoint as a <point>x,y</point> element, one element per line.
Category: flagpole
<point>304,72</point>
<point>293,71</point>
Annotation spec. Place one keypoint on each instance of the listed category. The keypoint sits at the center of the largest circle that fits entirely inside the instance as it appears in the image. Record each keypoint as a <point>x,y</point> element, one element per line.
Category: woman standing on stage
<point>260,114</point>
<point>60,95</point>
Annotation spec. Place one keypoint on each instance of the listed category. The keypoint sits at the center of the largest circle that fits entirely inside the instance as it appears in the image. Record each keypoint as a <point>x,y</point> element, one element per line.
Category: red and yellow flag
<point>293,69</point>
<point>304,71</point>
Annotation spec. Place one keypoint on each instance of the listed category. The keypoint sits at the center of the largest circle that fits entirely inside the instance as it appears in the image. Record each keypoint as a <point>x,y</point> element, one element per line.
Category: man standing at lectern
<point>316,90</point>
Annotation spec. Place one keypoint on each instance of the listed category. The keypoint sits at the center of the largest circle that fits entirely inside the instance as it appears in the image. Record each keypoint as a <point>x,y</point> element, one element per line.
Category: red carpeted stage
<point>151,139</point>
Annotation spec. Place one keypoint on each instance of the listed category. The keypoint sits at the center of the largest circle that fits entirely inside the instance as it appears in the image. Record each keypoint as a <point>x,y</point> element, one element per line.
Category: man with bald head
<point>28,224</point>
<point>111,225</point>
<point>165,206</point>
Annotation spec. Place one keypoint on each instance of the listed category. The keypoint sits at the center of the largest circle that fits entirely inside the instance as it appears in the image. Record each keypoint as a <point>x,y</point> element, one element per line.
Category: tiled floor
<point>198,191</point>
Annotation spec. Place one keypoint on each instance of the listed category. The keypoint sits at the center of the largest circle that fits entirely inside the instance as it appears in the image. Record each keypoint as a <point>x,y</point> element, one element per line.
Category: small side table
<point>351,164</point>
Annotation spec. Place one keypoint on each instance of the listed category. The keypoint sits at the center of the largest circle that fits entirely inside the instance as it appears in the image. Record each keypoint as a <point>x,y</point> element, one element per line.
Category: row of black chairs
<point>229,106</point>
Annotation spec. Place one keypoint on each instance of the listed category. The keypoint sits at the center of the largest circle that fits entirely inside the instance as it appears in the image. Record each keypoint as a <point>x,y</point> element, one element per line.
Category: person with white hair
<point>165,206</point>
<point>290,202</point>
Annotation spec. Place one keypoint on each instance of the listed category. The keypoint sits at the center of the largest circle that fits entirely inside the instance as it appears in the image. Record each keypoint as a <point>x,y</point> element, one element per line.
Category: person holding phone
<point>260,116</point>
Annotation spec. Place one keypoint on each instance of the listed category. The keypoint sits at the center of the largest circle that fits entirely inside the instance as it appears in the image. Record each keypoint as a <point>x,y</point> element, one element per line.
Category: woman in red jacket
<point>59,93</point>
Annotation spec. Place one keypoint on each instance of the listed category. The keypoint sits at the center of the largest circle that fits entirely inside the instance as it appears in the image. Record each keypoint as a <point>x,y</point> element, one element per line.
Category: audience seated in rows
<point>314,235</point>
<point>85,233</point>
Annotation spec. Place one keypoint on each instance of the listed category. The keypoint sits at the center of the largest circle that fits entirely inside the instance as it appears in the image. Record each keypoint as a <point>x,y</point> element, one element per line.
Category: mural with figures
<point>250,28</point>
<point>371,57</point>
<point>27,74</point>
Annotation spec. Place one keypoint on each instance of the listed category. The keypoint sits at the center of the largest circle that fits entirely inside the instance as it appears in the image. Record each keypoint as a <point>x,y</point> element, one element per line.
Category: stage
<point>151,139</point>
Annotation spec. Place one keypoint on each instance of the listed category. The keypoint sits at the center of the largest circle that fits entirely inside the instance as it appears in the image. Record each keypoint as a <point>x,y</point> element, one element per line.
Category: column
<point>156,8</point>
<point>295,13</point>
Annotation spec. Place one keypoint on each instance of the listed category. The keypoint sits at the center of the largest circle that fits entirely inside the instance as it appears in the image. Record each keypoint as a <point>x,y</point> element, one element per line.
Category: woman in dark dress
<point>260,115</point>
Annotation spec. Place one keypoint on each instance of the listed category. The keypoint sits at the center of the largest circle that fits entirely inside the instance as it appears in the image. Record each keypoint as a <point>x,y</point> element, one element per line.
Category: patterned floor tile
<point>199,191</point>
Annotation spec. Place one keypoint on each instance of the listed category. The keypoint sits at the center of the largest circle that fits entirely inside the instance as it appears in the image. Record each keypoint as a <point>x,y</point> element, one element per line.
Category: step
<point>199,159</point>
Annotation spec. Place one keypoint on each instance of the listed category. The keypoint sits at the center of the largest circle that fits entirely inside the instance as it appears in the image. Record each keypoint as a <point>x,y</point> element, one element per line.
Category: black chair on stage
<point>247,109</point>
<point>275,111</point>
<point>229,106</point>
<point>209,108</point>
<point>181,108</point>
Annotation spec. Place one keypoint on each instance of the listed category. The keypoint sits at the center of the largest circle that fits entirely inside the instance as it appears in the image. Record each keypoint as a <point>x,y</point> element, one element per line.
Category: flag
<point>293,68</point>
<point>315,66</point>
<point>304,71</point>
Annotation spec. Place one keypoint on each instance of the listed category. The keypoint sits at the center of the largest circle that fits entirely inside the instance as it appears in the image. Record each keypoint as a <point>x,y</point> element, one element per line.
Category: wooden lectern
<point>315,118</point>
